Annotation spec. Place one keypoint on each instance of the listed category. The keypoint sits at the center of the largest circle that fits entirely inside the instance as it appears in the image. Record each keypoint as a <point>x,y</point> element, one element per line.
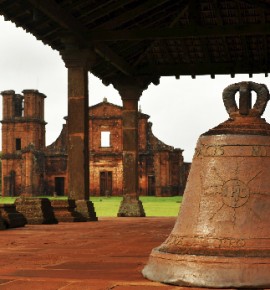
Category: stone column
<point>130,206</point>
<point>78,63</point>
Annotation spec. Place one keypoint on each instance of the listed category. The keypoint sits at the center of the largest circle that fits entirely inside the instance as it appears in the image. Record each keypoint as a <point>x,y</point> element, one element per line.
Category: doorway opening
<point>151,191</point>
<point>106,183</point>
<point>59,186</point>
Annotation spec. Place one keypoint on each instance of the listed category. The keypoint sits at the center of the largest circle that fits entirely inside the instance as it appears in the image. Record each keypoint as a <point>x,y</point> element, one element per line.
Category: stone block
<point>11,217</point>
<point>86,208</point>
<point>131,206</point>
<point>65,211</point>
<point>36,210</point>
<point>2,224</point>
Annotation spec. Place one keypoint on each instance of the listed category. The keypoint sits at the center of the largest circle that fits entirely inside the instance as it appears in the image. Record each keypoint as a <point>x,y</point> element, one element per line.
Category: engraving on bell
<point>221,238</point>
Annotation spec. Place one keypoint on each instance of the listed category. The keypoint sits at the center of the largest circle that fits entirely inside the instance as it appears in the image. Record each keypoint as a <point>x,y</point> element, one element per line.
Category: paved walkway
<point>104,255</point>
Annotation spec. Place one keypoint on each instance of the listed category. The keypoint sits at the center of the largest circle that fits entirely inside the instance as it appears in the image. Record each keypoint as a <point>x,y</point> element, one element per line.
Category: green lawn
<point>108,207</point>
<point>153,206</point>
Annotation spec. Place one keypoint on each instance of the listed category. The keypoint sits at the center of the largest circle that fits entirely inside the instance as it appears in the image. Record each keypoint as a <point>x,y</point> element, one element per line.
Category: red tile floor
<point>104,255</point>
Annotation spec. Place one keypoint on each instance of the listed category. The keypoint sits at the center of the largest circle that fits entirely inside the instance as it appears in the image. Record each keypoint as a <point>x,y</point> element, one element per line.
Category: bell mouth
<point>208,271</point>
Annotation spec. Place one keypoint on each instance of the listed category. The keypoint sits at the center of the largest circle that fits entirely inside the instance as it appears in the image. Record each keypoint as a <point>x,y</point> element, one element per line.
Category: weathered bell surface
<point>221,238</point>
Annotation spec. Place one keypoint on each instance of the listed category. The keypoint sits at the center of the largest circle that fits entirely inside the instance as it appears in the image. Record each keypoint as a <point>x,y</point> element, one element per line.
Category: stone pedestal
<point>86,209</point>
<point>36,210</point>
<point>131,206</point>
<point>65,211</point>
<point>12,218</point>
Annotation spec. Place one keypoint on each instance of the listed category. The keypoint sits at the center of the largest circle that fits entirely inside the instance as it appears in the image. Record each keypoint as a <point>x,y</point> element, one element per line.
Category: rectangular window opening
<point>18,144</point>
<point>19,106</point>
<point>105,139</point>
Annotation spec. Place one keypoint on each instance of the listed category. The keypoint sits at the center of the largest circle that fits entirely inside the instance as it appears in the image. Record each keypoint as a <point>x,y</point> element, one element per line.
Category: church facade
<point>29,167</point>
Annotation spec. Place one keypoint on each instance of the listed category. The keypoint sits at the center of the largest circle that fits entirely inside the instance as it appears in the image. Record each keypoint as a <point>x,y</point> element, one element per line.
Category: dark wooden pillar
<point>130,206</point>
<point>77,63</point>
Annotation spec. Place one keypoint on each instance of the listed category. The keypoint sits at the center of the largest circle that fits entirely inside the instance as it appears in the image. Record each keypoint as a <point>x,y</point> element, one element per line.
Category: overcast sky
<point>180,110</point>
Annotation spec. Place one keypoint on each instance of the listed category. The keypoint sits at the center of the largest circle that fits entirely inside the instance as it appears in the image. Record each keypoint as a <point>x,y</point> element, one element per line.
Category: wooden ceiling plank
<point>103,10</point>
<point>133,13</point>
<point>245,47</point>
<point>256,3</point>
<point>194,12</point>
<point>216,7</point>
<point>183,8</point>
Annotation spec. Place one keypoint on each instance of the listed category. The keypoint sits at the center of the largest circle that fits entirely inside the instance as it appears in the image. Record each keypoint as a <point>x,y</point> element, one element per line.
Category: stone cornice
<point>8,93</point>
<point>8,156</point>
<point>102,154</point>
<point>32,91</point>
<point>105,117</point>
<point>23,120</point>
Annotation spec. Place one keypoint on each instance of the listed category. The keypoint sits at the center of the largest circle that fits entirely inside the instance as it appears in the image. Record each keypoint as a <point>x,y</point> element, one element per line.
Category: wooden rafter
<point>114,59</point>
<point>67,21</point>
<point>172,24</point>
<point>143,8</point>
<point>105,9</point>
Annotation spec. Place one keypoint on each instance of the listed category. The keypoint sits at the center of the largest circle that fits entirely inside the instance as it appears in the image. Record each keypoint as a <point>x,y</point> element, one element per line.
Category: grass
<point>108,206</point>
<point>153,206</point>
<point>7,199</point>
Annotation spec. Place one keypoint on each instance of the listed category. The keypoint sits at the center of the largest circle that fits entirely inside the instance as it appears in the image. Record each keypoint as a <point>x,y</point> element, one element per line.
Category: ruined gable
<point>105,110</point>
<point>160,168</point>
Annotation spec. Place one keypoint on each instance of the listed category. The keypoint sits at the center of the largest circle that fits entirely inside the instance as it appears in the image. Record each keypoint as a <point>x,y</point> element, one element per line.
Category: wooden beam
<point>109,55</point>
<point>67,21</point>
<point>57,14</point>
<point>180,32</point>
<point>203,69</point>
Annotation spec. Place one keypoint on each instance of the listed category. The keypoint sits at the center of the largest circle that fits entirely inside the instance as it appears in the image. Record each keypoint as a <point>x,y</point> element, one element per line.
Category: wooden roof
<point>153,38</point>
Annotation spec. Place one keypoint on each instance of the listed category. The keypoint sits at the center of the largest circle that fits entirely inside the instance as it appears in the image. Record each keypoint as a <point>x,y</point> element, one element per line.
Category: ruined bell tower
<point>23,143</point>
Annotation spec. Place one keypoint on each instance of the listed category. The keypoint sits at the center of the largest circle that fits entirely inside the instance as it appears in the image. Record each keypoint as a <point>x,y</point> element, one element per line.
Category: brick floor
<point>104,255</point>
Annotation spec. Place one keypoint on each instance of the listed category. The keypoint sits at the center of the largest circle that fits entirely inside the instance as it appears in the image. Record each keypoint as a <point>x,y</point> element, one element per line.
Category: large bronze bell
<point>222,235</point>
